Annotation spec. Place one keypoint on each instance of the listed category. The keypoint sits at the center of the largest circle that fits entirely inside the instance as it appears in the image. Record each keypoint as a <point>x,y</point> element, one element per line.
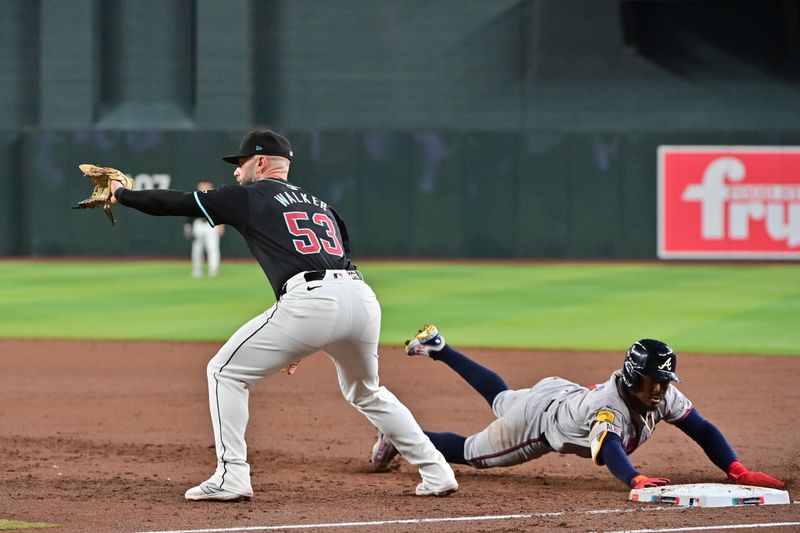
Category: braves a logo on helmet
<point>666,365</point>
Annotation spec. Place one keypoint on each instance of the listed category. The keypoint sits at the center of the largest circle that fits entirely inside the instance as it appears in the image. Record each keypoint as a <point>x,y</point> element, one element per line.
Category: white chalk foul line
<point>480,518</point>
<point>359,524</point>
<point>410,521</point>
<point>707,528</point>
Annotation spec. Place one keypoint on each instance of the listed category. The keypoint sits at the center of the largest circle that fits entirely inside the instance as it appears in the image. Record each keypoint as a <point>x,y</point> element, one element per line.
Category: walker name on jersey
<point>288,198</point>
<point>729,201</point>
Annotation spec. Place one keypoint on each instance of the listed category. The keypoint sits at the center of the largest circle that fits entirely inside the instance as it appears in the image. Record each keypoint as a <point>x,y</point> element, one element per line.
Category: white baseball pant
<point>339,315</point>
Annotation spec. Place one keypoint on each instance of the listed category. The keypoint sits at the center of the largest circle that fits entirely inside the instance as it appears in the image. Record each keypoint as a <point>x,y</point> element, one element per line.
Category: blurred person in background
<point>205,240</point>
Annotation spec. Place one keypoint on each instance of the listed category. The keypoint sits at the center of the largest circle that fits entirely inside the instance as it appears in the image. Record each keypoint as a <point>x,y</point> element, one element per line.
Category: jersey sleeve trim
<point>203,209</point>
<point>597,436</point>
<point>685,416</point>
<point>678,406</point>
<point>596,445</point>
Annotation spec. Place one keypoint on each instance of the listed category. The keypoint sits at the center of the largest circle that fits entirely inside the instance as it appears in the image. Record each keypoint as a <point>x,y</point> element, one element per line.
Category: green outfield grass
<point>741,308</point>
<point>14,525</point>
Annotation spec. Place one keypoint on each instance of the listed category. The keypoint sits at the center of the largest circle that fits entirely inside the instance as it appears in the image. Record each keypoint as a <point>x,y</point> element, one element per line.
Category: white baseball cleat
<point>210,492</point>
<point>425,490</point>
<point>427,341</point>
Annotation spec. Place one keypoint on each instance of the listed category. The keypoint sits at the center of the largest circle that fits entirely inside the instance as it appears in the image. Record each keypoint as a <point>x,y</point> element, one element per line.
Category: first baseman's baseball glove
<point>101,194</point>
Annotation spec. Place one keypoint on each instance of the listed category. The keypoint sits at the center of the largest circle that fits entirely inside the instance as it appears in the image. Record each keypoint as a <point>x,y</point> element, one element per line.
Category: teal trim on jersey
<point>203,209</point>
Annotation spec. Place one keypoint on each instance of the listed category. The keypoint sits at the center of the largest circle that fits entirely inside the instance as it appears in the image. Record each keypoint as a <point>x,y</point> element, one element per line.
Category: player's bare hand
<point>291,369</point>
<point>114,185</point>
<point>642,482</point>
<point>742,476</point>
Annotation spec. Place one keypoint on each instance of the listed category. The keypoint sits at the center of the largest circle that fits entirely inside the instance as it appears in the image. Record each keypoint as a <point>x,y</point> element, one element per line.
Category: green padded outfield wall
<point>439,128</point>
<point>438,194</point>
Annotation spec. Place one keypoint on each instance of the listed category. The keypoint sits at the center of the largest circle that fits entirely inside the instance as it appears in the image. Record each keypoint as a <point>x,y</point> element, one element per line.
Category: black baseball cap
<point>261,142</point>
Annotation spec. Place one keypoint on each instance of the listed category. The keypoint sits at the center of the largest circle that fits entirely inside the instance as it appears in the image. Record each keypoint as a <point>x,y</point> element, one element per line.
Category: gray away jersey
<point>578,418</point>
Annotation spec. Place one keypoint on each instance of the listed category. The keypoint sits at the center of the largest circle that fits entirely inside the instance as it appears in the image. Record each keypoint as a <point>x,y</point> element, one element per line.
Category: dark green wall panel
<point>13,229</point>
<point>490,194</point>
<point>381,221</point>
<point>545,194</point>
<point>531,194</point>
<point>437,202</point>
<point>53,183</point>
<point>411,65</point>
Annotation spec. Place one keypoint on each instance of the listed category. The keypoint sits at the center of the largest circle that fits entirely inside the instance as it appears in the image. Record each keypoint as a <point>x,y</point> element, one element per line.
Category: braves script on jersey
<point>287,229</point>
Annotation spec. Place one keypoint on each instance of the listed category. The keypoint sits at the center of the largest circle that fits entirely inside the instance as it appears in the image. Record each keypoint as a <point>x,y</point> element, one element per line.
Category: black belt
<point>316,275</point>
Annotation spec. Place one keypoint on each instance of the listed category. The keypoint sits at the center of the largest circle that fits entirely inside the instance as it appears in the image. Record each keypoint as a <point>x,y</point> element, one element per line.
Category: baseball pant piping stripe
<point>216,394</point>
<point>504,452</point>
<point>219,422</point>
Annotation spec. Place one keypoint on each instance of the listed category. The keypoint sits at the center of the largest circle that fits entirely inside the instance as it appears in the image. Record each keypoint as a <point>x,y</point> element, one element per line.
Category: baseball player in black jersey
<point>323,303</point>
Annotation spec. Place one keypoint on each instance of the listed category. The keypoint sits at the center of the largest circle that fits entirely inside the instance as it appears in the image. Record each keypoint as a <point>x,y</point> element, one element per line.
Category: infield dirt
<point>107,436</point>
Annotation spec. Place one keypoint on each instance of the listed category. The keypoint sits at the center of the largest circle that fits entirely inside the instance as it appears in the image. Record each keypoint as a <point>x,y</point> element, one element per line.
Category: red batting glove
<point>642,482</point>
<point>742,476</point>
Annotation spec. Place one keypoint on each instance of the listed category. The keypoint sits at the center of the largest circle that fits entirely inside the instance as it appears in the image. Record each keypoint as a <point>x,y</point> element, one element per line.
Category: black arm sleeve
<point>160,202</point>
<point>613,456</point>
<point>709,438</point>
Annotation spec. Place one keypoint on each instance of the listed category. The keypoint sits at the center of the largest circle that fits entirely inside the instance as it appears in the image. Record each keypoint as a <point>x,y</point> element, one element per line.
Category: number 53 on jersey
<point>315,234</point>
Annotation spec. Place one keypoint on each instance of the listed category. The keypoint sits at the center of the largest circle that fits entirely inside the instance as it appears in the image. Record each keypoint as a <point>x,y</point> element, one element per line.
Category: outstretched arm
<point>709,438</point>
<point>157,202</point>
<point>721,453</point>
<point>616,460</point>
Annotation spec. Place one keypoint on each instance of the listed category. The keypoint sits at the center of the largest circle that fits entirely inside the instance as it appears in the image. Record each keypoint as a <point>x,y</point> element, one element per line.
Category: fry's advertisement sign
<point>729,202</point>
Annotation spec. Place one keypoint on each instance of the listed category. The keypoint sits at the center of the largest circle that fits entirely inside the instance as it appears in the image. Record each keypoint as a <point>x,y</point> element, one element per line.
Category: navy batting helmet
<point>650,358</point>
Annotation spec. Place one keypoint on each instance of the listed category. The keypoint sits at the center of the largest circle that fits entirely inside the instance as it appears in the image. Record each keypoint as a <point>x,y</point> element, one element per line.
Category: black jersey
<point>287,229</point>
